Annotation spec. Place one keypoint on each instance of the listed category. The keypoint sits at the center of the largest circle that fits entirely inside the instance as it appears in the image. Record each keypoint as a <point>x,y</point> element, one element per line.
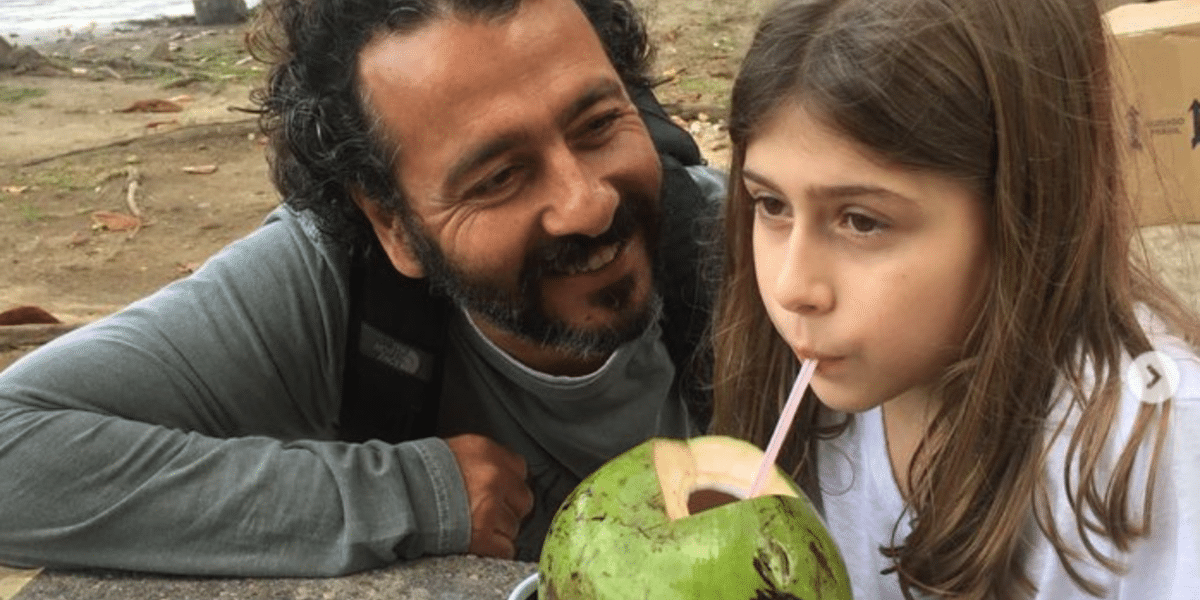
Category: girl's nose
<point>802,285</point>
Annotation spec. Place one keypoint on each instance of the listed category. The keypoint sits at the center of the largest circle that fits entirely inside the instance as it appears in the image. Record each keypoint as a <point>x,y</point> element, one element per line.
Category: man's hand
<point>496,490</point>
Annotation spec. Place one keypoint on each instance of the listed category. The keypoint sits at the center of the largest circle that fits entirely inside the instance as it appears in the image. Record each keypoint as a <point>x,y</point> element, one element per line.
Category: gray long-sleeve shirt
<point>195,431</point>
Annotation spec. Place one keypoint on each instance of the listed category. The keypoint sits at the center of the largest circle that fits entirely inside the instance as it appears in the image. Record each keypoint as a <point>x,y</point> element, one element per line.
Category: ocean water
<point>28,22</point>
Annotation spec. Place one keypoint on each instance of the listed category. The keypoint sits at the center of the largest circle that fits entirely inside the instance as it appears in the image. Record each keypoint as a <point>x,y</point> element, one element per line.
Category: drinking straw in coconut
<point>783,425</point>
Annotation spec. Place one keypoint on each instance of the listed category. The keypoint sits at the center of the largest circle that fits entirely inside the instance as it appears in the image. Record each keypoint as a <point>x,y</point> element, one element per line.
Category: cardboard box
<point>1156,66</point>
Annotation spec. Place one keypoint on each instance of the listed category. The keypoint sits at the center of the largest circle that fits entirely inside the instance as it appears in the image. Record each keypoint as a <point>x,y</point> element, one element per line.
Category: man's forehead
<point>466,77</point>
<point>459,34</point>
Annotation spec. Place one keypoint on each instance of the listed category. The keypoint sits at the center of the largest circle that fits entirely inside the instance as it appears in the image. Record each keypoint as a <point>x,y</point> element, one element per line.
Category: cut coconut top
<point>710,466</point>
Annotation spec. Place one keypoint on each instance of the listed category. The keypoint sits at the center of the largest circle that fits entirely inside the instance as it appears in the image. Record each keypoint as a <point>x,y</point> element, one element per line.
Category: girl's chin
<point>836,398</point>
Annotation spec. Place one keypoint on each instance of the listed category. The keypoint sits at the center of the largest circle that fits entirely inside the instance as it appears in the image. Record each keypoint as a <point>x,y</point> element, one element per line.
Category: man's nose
<point>580,200</point>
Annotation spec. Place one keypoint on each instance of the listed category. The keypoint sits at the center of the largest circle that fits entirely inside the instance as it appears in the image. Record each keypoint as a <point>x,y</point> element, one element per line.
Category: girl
<point>926,200</point>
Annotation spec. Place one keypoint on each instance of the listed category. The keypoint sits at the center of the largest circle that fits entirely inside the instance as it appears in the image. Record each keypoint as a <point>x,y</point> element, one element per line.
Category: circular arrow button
<point>1153,377</point>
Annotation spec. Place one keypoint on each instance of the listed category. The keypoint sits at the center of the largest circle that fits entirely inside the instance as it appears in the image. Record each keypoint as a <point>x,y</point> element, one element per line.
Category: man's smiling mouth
<point>599,259</point>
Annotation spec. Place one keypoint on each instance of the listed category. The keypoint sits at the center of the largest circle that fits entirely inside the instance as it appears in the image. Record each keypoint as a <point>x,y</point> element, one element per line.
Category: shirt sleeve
<point>194,432</point>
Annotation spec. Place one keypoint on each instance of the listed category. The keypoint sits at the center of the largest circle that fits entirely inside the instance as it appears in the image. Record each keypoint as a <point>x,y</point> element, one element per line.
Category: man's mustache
<point>572,252</point>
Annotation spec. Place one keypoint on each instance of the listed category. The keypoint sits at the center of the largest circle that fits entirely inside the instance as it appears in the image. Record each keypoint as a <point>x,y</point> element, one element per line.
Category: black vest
<point>398,329</point>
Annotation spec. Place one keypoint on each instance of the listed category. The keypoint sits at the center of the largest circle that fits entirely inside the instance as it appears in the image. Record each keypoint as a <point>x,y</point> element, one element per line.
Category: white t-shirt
<point>865,511</point>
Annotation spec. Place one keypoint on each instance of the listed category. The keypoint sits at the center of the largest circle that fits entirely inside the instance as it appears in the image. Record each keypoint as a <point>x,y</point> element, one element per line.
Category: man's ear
<point>392,236</point>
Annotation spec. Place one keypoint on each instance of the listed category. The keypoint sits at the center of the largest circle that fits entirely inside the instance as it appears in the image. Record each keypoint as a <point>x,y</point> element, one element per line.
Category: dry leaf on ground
<point>187,268</point>
<point>27,315</point>
<point>153,105</point>
<point>111,221</point>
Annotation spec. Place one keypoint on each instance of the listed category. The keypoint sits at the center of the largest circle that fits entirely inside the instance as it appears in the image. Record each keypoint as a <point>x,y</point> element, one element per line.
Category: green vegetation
<point>702,90</point>
<point>13,95</point>
<point>221,63</point>
<point>29,212</point>
<point>64,179</point>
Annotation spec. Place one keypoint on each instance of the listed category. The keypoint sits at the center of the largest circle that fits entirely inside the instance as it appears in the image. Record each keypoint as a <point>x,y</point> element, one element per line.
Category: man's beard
<point>522,311</point>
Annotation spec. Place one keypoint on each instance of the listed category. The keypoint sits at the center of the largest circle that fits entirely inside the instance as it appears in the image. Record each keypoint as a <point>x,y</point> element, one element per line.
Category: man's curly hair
<point>324,140</point>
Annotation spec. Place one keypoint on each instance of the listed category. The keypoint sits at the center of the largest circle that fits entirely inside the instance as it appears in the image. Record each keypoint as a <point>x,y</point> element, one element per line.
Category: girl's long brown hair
<point>1013,97</point>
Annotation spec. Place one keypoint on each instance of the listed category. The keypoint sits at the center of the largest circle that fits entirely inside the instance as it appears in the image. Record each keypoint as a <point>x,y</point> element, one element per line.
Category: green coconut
<point>669,520</point>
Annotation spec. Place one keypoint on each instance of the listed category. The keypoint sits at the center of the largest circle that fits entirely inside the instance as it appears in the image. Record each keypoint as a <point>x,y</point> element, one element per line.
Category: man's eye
<point>602,123</point>
<point>495,182</point>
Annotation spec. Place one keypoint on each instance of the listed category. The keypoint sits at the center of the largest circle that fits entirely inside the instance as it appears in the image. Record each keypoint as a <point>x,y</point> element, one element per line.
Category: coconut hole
<point>705,498</point>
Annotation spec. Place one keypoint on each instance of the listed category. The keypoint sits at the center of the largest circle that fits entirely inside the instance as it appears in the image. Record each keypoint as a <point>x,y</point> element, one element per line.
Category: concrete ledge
<point>439,578</point>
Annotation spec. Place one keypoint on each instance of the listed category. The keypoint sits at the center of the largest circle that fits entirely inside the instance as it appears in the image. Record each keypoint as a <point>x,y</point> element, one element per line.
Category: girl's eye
<point>862,224</point>
<point>769,206</point>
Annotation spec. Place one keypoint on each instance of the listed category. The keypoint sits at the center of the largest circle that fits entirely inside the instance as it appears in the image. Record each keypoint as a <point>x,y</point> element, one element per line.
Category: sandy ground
<point>68,153</point>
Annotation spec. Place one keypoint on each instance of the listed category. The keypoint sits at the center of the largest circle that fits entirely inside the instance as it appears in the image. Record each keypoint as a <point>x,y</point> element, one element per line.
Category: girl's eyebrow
<point>834,192</point>
<point>756,178</point>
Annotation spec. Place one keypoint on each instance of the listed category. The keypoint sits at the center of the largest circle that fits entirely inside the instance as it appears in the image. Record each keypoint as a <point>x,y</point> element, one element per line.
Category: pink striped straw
<point>783,425</point>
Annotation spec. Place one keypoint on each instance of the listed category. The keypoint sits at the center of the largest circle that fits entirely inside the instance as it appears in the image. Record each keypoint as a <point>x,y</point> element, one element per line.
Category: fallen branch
<point>242,123</point>
<point>132,178</point>
<point>112,73</point>
<point>17,336</point>
<point>108,175</point>
<point>184,82</point>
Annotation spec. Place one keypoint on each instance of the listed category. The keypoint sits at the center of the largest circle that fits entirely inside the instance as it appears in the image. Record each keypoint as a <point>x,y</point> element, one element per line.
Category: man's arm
<point>193,433</point>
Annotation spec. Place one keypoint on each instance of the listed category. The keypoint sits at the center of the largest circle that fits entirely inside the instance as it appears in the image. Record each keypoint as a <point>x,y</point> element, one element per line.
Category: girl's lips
<point>809,355</point>
<point>826,365</point>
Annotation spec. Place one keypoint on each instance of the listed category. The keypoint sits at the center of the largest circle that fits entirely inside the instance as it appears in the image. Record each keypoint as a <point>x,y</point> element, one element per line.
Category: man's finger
<point>506,522</point>
<point>521,503</point>
<point>494,545</point>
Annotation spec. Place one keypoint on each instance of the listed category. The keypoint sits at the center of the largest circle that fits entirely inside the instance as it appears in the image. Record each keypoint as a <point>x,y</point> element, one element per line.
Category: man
<point>452,320</point>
